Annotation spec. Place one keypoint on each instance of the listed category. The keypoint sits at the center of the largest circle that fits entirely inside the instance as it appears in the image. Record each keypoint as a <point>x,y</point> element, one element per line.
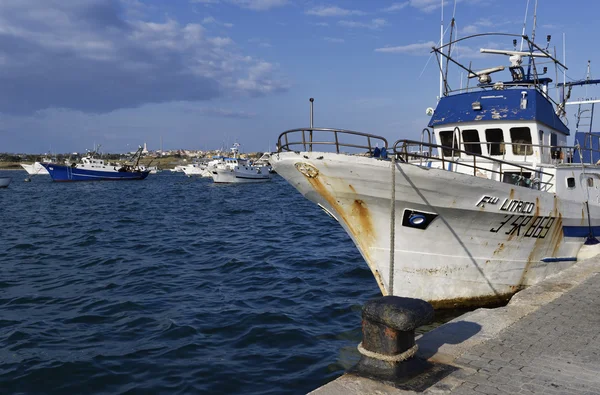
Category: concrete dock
<point>545,341</point>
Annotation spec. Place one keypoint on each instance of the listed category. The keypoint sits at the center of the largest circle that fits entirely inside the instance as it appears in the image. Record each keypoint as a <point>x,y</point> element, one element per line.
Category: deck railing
<point>524,172</point>
<point>305,138</point>
<point>411,151</point>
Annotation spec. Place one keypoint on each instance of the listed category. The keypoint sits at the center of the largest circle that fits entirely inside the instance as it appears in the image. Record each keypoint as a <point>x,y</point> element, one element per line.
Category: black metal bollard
<point>388,345</point>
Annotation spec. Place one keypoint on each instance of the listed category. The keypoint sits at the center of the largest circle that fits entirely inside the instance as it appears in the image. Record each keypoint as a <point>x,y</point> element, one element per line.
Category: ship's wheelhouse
<point>514,125</point>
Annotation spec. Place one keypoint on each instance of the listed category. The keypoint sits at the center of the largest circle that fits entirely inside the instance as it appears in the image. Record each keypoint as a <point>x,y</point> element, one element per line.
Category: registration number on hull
<point>536,227</point>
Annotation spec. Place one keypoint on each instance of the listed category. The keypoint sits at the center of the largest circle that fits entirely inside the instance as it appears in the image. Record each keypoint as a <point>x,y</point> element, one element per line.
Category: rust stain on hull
<point>548,246</point>
<point>357,219</point>
<point>499,249</point>
<point>557,235</point>
<point>479,301</point>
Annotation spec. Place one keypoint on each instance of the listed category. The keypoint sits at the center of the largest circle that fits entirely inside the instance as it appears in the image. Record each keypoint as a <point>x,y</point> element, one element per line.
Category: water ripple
<point>174,285</point>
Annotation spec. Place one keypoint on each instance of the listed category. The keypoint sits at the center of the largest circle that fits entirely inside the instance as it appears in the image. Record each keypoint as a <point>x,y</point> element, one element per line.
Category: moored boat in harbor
<point>93,168</point>
<point>497,203</point>
<point>234,170</point>
<point>36,168</point>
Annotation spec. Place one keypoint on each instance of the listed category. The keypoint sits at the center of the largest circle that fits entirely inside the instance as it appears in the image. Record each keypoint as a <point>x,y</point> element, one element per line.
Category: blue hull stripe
<point>580,231</point>
<point>67,173</point>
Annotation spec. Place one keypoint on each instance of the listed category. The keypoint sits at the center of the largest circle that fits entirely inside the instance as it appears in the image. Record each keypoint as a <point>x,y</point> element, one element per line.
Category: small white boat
<point>36,168</point>
<point>234,170</point>
<point>196,169</point>
<point>4,181</point>
<point>151,169</point>
<point>263,162</point>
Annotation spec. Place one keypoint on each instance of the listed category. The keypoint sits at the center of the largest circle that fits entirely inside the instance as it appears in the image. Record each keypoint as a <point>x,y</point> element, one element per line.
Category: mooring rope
<point>388,358</point>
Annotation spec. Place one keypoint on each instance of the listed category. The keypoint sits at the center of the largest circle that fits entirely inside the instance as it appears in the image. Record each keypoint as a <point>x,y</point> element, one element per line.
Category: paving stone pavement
<point>554,350</point>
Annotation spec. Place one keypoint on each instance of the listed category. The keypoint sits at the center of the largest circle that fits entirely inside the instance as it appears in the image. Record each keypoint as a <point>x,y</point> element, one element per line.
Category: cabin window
<point>541,141</point>
<point>521,141</point>
<point>590,182</point>
<point>446,140</point>
<point>571,182</point>
<point>495,139</point>
<point>471,136</point>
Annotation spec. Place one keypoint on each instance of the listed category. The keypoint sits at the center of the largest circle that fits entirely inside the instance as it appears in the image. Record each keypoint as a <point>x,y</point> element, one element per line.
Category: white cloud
<point>260,42</point>
<point>475,27</point>
<point>259,80</point>
<point>220,41</point>
<point>335,11</point>
<point>260,5</point>
<point>432,5</point>
<point>469,29</point>
<point>426,5</point>
<point>210,20</point>
<point>226,113</point>
<point>410,49</point>
<point>334,40</point>
<point>373,24</point>
<point>257,5</point>
<point>99,61</point>
<point>396,7</point>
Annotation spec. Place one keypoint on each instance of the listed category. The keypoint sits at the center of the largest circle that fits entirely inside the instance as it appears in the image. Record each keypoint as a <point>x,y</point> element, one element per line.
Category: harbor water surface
<point>174,285</point>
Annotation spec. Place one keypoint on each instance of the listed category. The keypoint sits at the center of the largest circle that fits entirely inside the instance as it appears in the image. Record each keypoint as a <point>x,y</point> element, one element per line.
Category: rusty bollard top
<point>402,314</point>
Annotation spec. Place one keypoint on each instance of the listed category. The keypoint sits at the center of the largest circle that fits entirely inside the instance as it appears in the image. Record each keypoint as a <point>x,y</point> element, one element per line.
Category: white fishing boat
<point>234,170</point>
<point>4,181</point>
<point>497,203</point>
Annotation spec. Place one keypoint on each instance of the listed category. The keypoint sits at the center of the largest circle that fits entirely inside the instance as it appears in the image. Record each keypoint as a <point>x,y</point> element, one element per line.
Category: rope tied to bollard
<point>389,358</point>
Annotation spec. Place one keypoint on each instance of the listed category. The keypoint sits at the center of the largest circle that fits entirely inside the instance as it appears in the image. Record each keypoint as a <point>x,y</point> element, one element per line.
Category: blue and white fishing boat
<point>92,168</point>
<point>491,200</point>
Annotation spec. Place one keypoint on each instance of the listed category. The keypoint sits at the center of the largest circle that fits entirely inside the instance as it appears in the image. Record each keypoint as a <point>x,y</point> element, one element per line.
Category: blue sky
<point>203,73</point>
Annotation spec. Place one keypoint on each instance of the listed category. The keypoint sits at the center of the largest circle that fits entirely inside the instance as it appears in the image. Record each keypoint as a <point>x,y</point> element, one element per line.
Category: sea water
<point>174,285</point>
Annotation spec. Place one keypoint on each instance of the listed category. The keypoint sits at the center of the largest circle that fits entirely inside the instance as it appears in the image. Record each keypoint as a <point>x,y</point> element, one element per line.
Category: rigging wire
<point>431,54</point>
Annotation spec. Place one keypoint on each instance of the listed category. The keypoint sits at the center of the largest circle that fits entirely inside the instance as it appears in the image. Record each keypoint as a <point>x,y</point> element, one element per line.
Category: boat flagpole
<point>564,58</point>
<point>441,45</point>
<point>524,25</point>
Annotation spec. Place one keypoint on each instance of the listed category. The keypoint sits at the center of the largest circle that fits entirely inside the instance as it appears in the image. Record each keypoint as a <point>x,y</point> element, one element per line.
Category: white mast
<point>524,25</point>
<point>564,60</point>
<point>441,57</point>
